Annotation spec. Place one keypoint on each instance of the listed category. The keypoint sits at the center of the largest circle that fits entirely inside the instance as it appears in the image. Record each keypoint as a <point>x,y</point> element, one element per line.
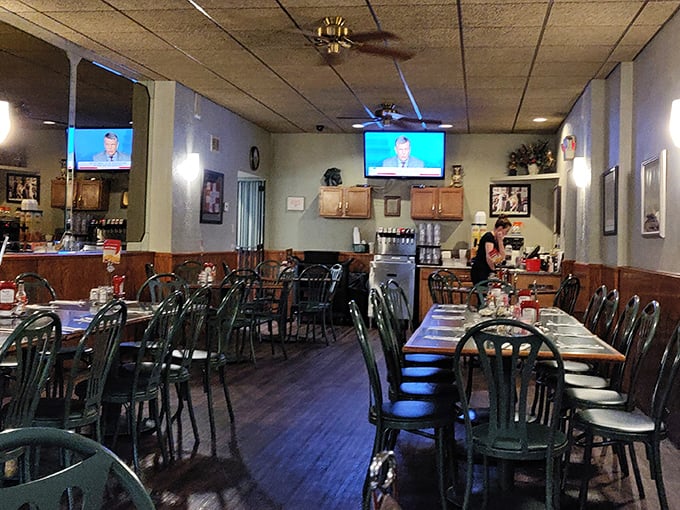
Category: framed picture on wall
<point>21,186</point>
<point>653,196</point>
<point>212,197</point>
<point>510,200</point>
<point>610,201</point>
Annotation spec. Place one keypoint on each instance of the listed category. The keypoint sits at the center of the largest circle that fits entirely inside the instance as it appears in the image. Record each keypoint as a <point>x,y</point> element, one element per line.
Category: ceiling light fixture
<point>358,126</point>
<point>49,122</point>
<point>540,119</point>
<point>445,126</point>
<point>4,120</point>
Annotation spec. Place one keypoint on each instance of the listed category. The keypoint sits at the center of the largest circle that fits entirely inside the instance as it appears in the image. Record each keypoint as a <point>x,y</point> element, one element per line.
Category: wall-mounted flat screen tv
<point>103,149</point>
<point>404,154</point>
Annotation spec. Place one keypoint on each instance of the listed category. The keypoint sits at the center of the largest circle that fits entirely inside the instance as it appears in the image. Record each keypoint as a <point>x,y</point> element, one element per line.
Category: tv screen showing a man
<point>402,157</point>
<point>111,152</point>
<point>116,145</point>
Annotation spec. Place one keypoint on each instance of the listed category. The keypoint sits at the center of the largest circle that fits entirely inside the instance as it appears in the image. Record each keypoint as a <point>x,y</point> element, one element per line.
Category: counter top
<point>447,264</point>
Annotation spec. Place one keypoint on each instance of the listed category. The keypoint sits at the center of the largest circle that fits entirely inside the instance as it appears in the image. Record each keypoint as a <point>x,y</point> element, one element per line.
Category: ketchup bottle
<point>8,291</point>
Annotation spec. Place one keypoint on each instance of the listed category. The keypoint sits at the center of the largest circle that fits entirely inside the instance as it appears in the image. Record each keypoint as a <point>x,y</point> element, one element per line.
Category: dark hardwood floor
<point>301,440</point>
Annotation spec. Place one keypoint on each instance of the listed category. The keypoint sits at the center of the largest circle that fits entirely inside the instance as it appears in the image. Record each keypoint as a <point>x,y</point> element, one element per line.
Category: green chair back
<point>605,316</point>
<point>567,294</point>
<point>594,306</point>
<point>375,387</point>
<point>159,286</point>
<point>388,341</point>
<point>191,325</point>
<point>38,289</point>
<point>34,343</point>
<point>399,309</point>
<point>441,285</point>
<point>189,271</point>
<point>641,340</point>
<point>476,298</point>
<point>90,468</point>
<point>225,318</point>
<point>101,340</point>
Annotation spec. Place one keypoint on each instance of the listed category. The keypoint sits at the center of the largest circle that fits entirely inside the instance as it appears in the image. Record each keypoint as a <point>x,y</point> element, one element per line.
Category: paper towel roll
<point>356,236</point>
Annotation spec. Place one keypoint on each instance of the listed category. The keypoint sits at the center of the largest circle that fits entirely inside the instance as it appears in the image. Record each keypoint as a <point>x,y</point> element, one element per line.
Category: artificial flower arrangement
<point>535,157</point>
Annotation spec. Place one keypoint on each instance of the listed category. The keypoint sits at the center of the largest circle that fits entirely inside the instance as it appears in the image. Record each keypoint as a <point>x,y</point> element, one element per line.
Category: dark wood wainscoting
<point>648,285</point>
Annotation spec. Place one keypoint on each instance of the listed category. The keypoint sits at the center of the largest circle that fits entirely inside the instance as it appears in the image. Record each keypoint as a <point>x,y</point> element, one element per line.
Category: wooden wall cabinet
<point>88,195</point>
<point>345,202</point>
<point>437,203</point>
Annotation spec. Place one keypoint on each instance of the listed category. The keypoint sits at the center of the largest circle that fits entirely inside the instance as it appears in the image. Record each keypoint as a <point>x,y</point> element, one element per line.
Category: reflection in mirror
<point>110,154</point>
<point>35,81</point>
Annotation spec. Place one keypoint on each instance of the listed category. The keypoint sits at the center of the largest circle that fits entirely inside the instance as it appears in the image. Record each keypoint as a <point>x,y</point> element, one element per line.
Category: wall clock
<point>254,158</point>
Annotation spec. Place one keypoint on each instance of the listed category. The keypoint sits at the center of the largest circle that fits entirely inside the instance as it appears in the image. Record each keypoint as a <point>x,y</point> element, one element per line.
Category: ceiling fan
<point>388,115</point>
<point>334,35</point>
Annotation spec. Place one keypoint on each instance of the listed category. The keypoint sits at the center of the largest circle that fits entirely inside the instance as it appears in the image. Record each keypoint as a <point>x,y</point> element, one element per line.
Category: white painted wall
<point>302,159</point>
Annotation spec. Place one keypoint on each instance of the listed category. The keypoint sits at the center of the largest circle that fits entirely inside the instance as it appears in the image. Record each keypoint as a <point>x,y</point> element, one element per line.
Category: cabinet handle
<point>339,206</point>
<point>440,208</point>
<point>346,205</point>
<point>432,207</point>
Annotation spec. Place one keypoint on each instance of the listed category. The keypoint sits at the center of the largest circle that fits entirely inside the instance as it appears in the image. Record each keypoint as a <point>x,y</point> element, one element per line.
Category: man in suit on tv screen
<point>110,152</point>
<point>403,158</point>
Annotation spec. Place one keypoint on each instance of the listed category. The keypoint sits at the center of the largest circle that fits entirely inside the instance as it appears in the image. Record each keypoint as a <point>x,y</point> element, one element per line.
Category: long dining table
<point>75,316</point>
<point>445,325</point>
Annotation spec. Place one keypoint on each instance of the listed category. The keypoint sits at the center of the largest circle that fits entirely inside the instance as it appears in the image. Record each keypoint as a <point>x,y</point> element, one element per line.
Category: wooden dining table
<point>444,326</point>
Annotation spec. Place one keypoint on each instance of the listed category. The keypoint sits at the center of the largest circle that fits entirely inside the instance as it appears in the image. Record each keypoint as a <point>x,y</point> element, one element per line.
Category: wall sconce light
<point>191,166</point>
<point>4,120</point>
<point>581,173</point>
<point>674,124</point>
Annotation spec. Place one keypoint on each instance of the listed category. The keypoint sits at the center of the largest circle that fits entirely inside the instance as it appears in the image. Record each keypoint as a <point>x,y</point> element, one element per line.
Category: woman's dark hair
<point>503,222</point>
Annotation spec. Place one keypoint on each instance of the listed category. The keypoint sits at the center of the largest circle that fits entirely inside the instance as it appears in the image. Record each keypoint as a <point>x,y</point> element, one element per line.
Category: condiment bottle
<point>21,298</point>
<point>119,285</point>
<point>7,294</point>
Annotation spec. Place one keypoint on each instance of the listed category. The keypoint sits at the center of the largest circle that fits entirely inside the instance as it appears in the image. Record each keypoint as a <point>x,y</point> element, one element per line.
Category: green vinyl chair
<point>507,351</point>
<point>629,426</point>
<point>81,404</point>
<point>90,467</point>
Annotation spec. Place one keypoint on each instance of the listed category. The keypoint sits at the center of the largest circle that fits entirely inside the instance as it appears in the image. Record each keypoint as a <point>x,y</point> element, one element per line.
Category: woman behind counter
<point>491,251</point>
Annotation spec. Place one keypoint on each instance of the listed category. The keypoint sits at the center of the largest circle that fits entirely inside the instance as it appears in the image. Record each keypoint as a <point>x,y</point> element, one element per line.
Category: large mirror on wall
<point>35,82</point>
<point>110,144</point>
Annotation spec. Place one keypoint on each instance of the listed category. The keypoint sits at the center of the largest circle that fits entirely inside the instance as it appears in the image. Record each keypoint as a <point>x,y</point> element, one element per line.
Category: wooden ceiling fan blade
<point>359,37</point>
<point>418,121</point>
<point>385,51</point>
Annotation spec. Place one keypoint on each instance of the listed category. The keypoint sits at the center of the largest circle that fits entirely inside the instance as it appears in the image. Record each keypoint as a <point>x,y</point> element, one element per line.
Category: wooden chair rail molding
<point>648,285</point>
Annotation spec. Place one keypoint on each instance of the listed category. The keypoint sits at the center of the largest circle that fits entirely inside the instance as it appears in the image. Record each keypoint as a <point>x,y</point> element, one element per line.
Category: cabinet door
<point>331,201</point>
<point>423,202</point>
<point>92,196</point>
<point>450,204</point>
<point>58,193</point>
<point>357,202</point>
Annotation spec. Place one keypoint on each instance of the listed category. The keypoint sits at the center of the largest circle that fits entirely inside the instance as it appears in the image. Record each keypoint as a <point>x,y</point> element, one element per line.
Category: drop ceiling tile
<point>576,53</point>
<point>213,39</point>
<point>625,52</point>
<point>179,20</point>
<point>657,12</point>
<point>638,35</point>
<point>147,5</point>
<point>484,55</point>
<point>581,35</point>
<point>500,37</point>
<point>593,14</point>
<point>97,21</point>
<point>607,68</point>
<point>498,69</point>
<point>496,82</point>
<point>62,5</point>
<point>503,15</point>
<point>558,69</point>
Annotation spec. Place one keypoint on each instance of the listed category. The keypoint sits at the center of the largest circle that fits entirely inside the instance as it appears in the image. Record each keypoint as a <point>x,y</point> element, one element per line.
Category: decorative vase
<point>532,168</point>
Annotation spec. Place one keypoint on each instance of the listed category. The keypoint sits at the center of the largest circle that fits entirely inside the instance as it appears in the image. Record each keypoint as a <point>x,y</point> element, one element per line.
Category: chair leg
<point>655,468</point>
<point>132,426</point>
<point>440,441</point>
<point>223,380</point>
<point>153,411</point>
<point>165,410</point>
<point>587,455</point>
<point>636,469</point>
<point>282,329</point>
<point>186,395</point>
<point>207,387</point>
